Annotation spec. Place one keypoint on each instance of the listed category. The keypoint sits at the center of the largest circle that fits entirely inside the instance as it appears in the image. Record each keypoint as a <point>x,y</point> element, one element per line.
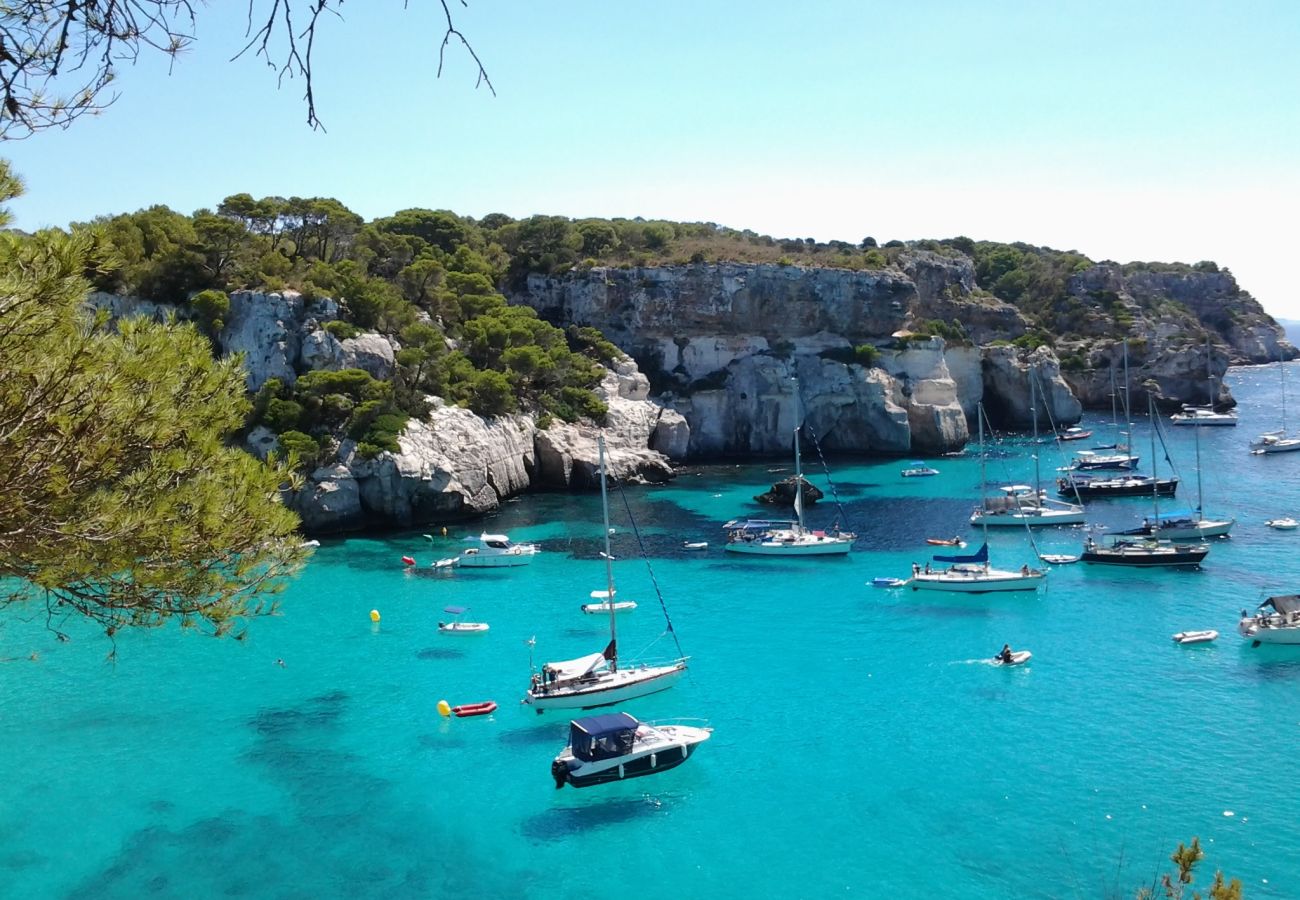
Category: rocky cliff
<point>453,464</point>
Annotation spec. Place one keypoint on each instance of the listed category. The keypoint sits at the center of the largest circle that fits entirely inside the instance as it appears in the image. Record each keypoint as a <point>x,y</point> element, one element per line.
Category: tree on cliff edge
<point>119,499</point>
<point>57,60</point>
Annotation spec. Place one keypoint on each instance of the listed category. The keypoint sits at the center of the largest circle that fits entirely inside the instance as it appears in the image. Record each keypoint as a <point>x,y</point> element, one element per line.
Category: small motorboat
<point>1018,657</point>
<point>616,746</point>
<point>1195,637</point>
<point>456,626</point>
<point>884,582</point>
<point>1074,433</point>
<point>486,707</point>
<point>695,545</point>
<point>1058,559</point>
<point>917,469</point>
<point>604,599</point>
<point>1286,523</point>
<point>946,542</point>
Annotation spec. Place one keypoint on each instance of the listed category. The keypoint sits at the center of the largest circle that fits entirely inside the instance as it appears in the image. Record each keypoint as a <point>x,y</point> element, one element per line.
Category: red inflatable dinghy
<point>475,709</point>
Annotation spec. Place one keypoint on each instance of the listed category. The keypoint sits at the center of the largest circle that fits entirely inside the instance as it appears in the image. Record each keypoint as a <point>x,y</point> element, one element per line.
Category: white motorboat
<point>492,551</point>
<point>615,746</point>
<point>918,469</point>
<point>1059,559</point>
<point>971,573</point>
<point>1277,621</point>
<point>695,545</point>
<point>769,537</point>
<point>605,602</point>
<point>598,679</point>
<point>1018,658</point>
<point>1286,523</point>
<point>886,582</point>
<point>456,626</point>
<point>1196,637</point>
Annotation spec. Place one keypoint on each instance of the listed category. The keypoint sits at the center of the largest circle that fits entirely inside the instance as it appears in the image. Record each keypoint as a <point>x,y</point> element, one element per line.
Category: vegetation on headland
<point>120,499</point>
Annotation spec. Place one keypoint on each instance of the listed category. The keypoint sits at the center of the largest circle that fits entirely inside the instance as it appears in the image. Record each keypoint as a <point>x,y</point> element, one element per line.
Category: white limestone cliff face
<point>1017,382</point>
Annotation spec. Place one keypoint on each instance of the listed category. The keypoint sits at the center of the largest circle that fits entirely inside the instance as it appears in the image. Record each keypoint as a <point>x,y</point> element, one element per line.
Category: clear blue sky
<point>1153,130</point>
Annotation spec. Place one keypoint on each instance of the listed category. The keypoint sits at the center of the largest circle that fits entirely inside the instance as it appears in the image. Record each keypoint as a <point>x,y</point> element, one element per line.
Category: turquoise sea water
<point>862,744</point>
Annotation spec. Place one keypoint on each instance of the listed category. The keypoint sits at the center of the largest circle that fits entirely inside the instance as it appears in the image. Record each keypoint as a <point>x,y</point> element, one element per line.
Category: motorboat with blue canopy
<point>615,746</point>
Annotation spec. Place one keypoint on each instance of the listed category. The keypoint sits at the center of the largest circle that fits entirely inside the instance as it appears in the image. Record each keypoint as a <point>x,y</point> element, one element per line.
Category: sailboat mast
<point>798,470</point>
<point>1128,408</point>
<point>1155,482</point>
<point>609,560</point>
<point>1033,409</point>
<point>984,520</point>
<point>1200,489</point>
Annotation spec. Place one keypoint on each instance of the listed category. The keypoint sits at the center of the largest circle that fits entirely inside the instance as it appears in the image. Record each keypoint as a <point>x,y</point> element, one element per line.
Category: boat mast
<point>609,560</point>
<point>1033,409</point>
<point>1128,411</point>
<point>1200,491</point>
<point>984,520</point>
<point>1155,482</point>
<point>798,471</point>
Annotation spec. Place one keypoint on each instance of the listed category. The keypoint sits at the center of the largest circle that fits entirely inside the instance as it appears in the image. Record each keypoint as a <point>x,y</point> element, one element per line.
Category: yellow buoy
<point>374,615</point>
<point>444,708</point>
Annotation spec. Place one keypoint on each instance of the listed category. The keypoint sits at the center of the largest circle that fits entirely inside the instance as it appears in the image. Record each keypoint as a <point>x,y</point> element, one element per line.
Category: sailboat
<point>1151,550</point>
<point>1276,441</point>
<point>972,574</point>
<point>768,537</point>
<point>597,679</point>
<point>1205,415</point>
<point>1022,504</point>
<point>1119,484</point>
<point>1186,524</point>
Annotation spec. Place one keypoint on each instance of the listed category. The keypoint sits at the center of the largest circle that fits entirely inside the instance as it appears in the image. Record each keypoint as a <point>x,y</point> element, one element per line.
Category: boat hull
<point>992,581</point>
<point>826,547</point>
<point>625,684</point>
<point>1032,518</point>
<point>1285,635</point>
<point>1144,558</point>
<point>493,561</point>
<point>1163,487</point>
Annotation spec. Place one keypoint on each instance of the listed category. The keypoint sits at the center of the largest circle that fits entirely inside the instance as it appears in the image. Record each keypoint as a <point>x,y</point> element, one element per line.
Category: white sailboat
<point>1276,441</point>
<point>1021,504</point>
<point>769,537</point>
<point>1205,415</point>
<point>1186,524</point>
<point>972,574</point>
<point>597,679</point>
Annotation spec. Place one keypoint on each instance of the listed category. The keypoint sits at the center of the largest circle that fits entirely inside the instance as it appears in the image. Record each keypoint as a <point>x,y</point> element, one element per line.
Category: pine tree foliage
<point>120,500</point>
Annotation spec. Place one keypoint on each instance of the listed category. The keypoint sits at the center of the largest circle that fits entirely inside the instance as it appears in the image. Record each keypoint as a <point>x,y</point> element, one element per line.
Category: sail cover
<point>979,556</point>
<point>575,668</point>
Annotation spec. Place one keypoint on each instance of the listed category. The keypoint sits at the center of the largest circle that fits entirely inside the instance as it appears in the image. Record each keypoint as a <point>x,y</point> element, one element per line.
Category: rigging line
<point>654,581</point>
<point>829,481</point>
<point>835,495</point>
